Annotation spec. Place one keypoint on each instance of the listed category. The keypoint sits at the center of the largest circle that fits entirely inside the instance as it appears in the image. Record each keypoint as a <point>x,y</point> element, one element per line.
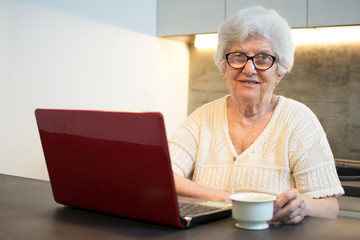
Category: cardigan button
<point>234,158</point>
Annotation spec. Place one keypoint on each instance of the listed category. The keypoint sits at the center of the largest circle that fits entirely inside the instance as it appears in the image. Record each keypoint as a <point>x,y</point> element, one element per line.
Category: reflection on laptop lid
<point>116,163</point>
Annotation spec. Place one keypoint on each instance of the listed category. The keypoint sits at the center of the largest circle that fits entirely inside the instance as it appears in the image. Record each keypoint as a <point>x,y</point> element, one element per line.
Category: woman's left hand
<point>290,207</point>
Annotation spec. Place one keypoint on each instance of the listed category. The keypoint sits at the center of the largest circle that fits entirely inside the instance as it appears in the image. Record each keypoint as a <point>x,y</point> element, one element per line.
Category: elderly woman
<point>253,140</point>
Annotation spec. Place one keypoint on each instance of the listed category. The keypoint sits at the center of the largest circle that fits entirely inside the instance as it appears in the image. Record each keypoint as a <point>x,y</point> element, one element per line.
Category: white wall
<point>82,55</point>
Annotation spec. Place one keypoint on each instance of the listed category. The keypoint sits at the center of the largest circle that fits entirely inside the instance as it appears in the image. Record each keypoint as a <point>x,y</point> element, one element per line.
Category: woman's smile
<point>248,82</point>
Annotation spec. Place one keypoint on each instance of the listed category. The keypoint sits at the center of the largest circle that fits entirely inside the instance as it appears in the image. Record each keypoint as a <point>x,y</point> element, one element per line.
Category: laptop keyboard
<point>187,209</point>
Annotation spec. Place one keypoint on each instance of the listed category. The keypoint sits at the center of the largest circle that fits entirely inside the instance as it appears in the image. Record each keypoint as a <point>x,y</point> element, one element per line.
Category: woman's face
<point>250,84</point>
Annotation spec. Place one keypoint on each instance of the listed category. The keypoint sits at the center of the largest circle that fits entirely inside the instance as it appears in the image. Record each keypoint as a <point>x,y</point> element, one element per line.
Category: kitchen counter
<point>28,211</point>
<point>349,207</point>
<point>351,188</point>
<point>350,202</point>
<point>349,174</point>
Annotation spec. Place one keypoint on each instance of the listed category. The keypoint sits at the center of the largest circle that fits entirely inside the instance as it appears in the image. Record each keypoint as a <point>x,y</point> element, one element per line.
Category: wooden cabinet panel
<point>185,17</point>
<point>333,12</point>
<point>294,11</point>
<point>189,17</point>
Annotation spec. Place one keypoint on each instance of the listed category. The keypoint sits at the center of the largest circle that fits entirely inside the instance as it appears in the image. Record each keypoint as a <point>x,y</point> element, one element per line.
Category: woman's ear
<point>223,76</point>
<point>279,77</point>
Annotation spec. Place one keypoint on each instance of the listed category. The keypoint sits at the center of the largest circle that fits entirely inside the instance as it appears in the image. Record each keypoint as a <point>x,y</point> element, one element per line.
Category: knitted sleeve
<point>311,160</point>
<point>190,139</point>
<point>183,147</point>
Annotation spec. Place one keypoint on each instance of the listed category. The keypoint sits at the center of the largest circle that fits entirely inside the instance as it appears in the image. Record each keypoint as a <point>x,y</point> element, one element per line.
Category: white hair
<point>259,23</point>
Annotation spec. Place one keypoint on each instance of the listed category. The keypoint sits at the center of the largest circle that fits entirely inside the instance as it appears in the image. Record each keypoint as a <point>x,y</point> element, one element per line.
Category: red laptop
<point>116,163</point>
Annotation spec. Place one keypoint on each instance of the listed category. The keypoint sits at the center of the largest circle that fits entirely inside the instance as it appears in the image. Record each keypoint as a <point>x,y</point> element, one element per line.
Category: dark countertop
<point>28,211</point>
<point>351,184</point>
<point>349,174</point>
<point>351,188</point>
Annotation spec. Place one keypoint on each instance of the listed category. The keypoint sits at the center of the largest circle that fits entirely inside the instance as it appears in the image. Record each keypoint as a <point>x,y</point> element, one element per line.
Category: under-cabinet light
<point>326,35</point>
<point>300,36</point>
<point>206,40</point>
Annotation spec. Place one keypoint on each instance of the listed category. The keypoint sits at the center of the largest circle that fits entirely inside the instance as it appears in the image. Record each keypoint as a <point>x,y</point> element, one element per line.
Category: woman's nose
<point>249,67</point>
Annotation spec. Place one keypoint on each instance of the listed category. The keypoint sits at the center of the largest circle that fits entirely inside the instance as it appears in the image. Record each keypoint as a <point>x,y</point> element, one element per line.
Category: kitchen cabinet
<point>188,17</point>
<point>333,12</point>
<point>349,207</point>
<point>294,11</point>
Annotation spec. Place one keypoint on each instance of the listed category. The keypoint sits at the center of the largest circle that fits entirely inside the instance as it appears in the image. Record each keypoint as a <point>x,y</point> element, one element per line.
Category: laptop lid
<point>111,162</point>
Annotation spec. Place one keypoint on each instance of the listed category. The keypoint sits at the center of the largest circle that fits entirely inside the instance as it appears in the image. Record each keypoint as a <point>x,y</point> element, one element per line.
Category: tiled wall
<point>325,77</point>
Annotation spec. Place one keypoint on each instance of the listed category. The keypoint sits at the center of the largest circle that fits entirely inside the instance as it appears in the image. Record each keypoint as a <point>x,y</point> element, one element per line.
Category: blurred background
<point>139,55</point>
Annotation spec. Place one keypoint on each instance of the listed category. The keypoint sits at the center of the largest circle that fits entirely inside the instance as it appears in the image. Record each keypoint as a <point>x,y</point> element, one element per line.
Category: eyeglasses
<point>238,60</point>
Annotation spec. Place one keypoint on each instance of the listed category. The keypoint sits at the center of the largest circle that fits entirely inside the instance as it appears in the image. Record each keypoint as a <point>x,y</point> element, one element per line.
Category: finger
<point>299,211</point>
<point>293,208</point>
<point>294,220</point>
<point>290,218</point>
<point>294,212</point>
<point>286,197</point>
<point>227,199</point>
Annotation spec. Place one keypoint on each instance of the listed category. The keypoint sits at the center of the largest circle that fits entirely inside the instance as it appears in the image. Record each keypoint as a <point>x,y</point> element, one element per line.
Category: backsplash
<point>325,77</point>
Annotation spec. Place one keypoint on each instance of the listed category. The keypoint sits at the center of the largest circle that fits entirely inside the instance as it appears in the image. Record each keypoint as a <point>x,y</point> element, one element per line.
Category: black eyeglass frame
<point>250,58</point>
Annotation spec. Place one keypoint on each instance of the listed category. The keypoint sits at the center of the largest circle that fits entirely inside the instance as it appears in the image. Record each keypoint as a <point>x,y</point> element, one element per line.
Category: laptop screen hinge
<point>188,221</point>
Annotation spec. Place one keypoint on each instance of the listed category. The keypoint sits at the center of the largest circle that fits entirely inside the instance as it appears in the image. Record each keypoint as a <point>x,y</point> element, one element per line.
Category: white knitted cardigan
<point>291,152</point>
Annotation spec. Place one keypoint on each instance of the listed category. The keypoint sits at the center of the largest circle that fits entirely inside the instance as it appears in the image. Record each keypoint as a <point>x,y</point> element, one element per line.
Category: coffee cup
<point>252,210</point>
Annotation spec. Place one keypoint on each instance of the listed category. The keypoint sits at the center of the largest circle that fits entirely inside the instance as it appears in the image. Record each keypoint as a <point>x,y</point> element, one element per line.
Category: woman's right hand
<point>187,188</point>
